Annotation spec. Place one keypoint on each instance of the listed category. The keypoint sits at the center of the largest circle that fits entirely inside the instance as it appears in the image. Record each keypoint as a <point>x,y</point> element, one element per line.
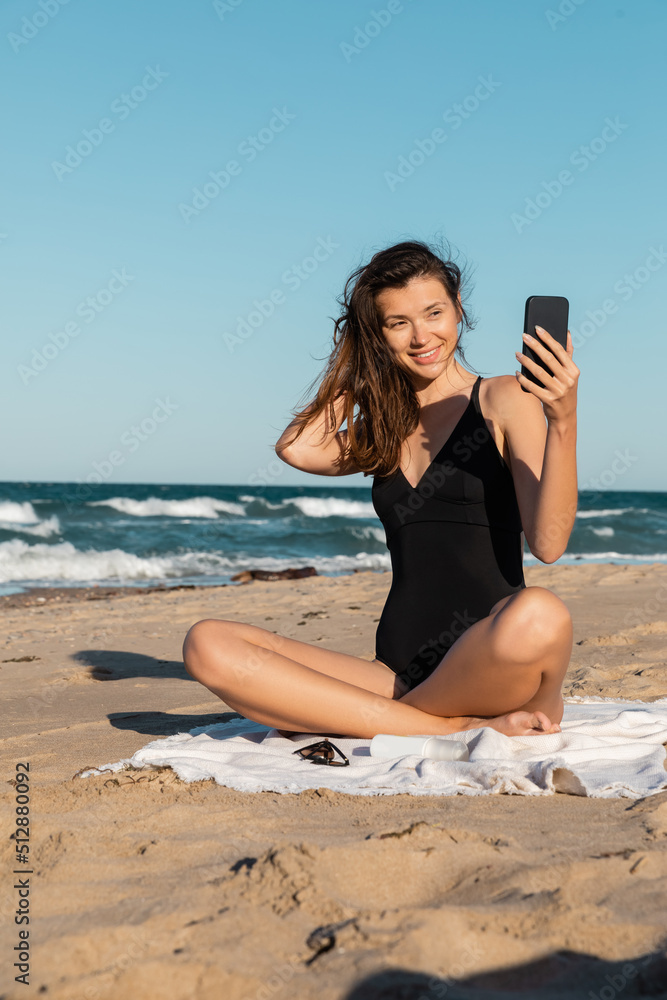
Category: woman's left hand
<point>559,395</point>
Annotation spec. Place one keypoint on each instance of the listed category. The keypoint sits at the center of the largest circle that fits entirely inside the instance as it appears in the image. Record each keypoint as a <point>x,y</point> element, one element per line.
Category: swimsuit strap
<point>474,398</point>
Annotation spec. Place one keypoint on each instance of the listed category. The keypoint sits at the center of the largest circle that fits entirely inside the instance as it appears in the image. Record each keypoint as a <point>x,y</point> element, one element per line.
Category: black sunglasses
<point>322,752</point>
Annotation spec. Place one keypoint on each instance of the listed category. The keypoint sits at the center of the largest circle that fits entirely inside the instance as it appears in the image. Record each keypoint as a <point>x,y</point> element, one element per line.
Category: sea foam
<point>41,563</point>
<point>332,506</point>
<point>613,513</point>
<point>156,507</point>
<point>22,517</point>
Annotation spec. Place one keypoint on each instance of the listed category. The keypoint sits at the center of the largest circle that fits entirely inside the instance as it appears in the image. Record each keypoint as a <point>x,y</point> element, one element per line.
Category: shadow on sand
<point>564,975</point>
<point>116,664</point>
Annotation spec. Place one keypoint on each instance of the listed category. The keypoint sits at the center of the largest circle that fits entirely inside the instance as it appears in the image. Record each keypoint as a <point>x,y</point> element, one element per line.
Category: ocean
<point>76,534</point>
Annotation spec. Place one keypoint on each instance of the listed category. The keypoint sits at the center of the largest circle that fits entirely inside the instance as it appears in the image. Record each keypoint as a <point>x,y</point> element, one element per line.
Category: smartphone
<point>550,312</point>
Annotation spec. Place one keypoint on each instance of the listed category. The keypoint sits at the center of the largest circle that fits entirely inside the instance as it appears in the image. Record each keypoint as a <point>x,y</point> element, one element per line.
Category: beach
<point>157,888</point>
<point>417,233</point>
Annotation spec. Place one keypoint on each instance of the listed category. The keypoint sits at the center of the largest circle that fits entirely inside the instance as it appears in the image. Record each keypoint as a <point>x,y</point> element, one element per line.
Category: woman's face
<point>419,323</point>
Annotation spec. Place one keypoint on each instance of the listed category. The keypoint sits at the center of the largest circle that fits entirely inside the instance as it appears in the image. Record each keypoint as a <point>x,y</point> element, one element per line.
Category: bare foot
<point>522,724</point>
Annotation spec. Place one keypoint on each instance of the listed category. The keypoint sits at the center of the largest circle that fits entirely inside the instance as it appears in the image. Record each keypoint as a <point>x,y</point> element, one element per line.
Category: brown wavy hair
<point>362,367</point>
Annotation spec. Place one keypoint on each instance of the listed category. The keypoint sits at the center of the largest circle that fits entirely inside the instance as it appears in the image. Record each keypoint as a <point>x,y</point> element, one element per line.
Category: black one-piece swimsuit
<point>456,547</point>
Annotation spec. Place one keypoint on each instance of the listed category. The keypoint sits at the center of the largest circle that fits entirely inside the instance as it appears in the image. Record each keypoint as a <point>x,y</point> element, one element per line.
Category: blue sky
<point>170,166</point>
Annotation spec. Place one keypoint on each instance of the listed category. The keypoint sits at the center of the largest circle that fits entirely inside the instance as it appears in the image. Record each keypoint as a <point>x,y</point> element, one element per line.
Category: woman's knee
<point>200,640</point>
<point>534,622</point>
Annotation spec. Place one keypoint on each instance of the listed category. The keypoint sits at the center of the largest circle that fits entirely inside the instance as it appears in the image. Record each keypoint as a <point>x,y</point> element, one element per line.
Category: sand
<point>146,887</point>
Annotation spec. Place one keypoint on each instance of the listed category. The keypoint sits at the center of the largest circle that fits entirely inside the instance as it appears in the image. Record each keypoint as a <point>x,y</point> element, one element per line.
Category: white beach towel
<point>606,749</point>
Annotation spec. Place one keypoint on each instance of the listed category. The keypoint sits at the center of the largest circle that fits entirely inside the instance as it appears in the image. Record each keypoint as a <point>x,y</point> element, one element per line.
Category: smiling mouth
<point>428,354</point>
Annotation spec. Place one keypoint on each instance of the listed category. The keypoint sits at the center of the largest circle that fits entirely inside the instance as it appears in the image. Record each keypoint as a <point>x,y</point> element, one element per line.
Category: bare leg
<point>267,686</point>
<point>514,659</point>
<point>300,687</point>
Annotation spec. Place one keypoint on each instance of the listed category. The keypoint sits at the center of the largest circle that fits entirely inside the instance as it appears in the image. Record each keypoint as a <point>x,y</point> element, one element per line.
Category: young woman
<point>463,468</point>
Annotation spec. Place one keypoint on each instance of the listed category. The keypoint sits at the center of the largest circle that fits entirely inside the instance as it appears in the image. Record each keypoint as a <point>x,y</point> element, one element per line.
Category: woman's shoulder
<point>503,400</point>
